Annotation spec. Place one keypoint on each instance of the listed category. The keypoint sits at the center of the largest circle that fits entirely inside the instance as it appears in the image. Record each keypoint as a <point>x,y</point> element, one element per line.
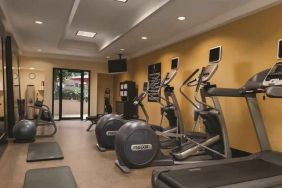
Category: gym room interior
<point>140,94</point>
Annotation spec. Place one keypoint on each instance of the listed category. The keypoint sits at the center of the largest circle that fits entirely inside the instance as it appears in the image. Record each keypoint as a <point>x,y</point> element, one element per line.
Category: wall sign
<point>154,79</point>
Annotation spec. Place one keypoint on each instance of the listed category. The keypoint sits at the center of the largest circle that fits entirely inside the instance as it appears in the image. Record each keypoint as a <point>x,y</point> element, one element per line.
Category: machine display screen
<point>174,63</point>
<point>215,55</point>
<point>275,75</point>
<point>280,49</point>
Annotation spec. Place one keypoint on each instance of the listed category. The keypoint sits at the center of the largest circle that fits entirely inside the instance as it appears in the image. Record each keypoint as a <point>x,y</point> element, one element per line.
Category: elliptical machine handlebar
<point>163,82</point>
<point>138,99</point>
<point>200,80</point>
<point>198,86</point>
<point>187,81</point>
<point>170,76</point>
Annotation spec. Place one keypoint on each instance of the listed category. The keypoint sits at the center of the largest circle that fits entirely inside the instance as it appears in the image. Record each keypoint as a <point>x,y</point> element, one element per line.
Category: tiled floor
<point>90,167</point>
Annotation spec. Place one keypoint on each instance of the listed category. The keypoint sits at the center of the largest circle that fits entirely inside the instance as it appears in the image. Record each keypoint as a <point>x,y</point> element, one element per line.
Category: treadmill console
<point>274,77</point>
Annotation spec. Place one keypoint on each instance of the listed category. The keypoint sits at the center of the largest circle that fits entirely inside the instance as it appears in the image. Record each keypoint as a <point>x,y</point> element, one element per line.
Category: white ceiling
<point>118,25</point>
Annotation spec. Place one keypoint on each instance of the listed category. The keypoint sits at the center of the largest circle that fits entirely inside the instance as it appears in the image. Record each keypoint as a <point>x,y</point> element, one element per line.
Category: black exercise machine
<point>262,169</point>
<point>107,110</point>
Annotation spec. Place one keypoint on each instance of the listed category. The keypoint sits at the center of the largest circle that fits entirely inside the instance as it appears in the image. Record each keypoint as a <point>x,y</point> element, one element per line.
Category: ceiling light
<point>39,50</point>
<point>144,38</point>
<point>38,22</point>
<point>31,68</point>
<point>123,1</point>
<point>121,49</point>
<point>85,34</point>
<point>181,18</point>
<point>108,57</point>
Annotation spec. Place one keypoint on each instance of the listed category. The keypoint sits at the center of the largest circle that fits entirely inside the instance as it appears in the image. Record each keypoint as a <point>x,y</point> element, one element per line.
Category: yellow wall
<point>46,65</point>
<point>249,45</point>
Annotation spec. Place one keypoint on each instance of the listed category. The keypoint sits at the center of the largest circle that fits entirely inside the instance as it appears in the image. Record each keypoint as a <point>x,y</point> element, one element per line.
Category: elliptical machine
<point>167,111</point>
<point>107,109</point>
<point>138,146</point>
<point>108,125</point>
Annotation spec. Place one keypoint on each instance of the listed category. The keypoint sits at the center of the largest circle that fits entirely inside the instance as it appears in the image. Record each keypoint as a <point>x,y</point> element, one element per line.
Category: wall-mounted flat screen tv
<point>117,66</point>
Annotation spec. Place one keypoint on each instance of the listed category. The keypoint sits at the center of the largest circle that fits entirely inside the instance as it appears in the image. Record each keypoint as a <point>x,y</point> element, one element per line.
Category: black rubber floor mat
<point>44,151</point>
<point>57,177</point>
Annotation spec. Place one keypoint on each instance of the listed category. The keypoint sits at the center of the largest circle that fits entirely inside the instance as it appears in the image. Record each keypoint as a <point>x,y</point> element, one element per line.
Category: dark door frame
<point>61,90</point>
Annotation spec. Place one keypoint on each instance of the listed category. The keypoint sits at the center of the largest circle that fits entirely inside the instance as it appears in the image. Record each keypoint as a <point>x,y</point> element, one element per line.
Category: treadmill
<point>263,169</point>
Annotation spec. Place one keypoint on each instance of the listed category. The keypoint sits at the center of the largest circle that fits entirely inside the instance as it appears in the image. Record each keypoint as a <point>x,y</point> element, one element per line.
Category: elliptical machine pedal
<point>123,168</point>
<point>101,149</point>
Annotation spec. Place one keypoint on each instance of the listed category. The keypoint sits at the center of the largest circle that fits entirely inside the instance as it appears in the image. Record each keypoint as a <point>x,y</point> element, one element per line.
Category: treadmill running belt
<point>220,175</point>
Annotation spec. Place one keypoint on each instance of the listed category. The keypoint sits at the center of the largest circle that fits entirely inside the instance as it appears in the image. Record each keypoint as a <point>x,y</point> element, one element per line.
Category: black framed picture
<point>154,79</point>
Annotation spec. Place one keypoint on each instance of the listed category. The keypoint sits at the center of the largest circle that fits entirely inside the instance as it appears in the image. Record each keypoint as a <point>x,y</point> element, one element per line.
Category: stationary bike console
<point>274,77</point>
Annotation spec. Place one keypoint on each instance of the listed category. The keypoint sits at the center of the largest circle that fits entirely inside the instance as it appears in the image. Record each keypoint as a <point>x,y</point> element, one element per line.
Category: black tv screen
<point>215,55</point>
<point>117,66</point>
<point>280,49</point>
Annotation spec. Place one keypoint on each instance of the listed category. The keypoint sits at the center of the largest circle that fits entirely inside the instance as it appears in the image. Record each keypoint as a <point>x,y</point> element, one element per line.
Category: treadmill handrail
<point>226,92</point>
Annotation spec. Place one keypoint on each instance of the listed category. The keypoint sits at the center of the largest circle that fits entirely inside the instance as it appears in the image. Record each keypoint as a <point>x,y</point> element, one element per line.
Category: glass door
<point>70,94</point>
<point>56,94</point>
<point>86,90</point>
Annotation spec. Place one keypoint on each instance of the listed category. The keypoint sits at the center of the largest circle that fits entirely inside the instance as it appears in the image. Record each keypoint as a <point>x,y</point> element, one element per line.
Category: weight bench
<point>93,120</point>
